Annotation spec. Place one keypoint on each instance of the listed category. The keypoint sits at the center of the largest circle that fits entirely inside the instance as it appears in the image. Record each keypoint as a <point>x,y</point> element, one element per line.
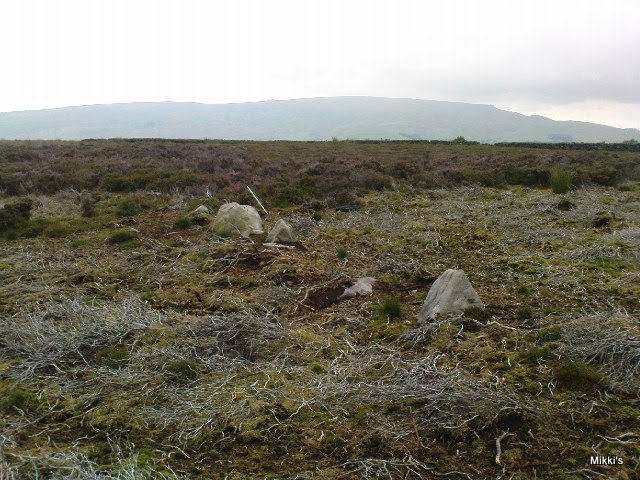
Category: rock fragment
<point>362,286</point>
<point>281,233</point>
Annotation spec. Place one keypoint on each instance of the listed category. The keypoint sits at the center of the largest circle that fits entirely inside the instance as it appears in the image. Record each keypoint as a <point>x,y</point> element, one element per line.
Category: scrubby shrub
<point>342,253</point>
<point>15,214</point>
<point>560,181</point>
<point>34,228</point>
<point>317,216</point>
<point>525,313</point>
<point>128,208</point>
<point>550,334</point>
<point>565,205</point>
<point>182,223</point>
<point>87,204</point>
<point>477,313</point>
<point>531,177</point>
<point>390,308</point>
<point>628,187</point>
<point>57,230</point>
<point>121,236</point>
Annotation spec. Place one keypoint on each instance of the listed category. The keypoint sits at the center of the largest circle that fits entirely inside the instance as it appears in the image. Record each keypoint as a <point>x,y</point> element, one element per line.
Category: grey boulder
<point>237,220</point>
<point>451,293</point>
<point>281,233</point>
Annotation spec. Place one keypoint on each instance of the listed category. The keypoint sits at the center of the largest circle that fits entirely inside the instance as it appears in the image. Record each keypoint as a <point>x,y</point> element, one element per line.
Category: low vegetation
<point>136,344</point>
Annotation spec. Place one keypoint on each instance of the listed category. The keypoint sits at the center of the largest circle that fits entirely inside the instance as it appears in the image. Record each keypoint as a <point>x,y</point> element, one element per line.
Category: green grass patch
<point>182,223</point>
<point>182,370</point>
<point>390,308</point>
<point>122,236</point>
<point>116,357</point>
<point>57,230</point>
<point>608,265</point>
<point>550,334</point>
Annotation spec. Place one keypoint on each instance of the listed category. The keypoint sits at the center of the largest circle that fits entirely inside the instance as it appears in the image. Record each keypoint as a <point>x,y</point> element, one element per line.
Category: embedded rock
<point>200,210</point>
<point>281,233</point>
<point>200,216</point>
<point>237,220</point>
<point>451,293</point>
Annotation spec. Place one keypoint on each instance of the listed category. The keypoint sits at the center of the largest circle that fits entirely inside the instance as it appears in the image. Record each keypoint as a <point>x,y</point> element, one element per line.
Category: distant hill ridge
<point>303,119</point>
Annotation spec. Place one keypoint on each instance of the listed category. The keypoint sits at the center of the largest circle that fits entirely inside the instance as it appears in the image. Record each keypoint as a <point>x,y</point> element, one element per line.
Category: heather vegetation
<point>137,341</point>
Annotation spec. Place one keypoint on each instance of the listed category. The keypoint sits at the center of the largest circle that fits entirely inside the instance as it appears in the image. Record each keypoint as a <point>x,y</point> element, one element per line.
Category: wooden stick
<point>254,196</point>
<point>499,447</point>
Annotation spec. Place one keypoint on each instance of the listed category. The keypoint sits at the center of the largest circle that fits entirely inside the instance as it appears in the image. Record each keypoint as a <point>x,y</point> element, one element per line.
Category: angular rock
<point>201,209</point>
<point>200,216</point>
<point>362,286</point>
<point>281,233</point>
<point>451,293</point>
<point>238,220</point>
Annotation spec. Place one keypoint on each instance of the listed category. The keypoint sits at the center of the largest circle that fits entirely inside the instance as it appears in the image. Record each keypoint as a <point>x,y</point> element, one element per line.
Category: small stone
<point>281,233</point>
<point>201,209</point>
<point>362,286</point>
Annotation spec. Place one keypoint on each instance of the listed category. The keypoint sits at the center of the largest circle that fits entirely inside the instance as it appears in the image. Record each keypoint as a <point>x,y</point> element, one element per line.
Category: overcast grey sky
<point>563,59</point>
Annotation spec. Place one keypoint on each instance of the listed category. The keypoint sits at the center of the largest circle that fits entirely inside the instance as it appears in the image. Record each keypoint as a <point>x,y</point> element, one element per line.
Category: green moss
<point>112,357</point>
<point>608,265</point>
<point>381,328</point>
<point>15,396</point>
<point>536,354</point>
<point>361,413</point>
<point>550,334</point>
<point>576,375</point>
<point>183,370</point>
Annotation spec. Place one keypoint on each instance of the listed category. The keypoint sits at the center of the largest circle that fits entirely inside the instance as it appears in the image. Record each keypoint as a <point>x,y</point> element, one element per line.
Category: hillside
<point>303,119</point>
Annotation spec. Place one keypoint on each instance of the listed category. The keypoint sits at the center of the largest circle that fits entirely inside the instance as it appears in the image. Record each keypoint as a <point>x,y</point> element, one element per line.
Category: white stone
<point>281,233</point>
<point>362,286</point>
<point>451,293</point>
<point>238,220</point>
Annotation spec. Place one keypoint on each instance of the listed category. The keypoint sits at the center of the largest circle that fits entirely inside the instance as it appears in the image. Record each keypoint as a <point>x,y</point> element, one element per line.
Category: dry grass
<point>189,355</point>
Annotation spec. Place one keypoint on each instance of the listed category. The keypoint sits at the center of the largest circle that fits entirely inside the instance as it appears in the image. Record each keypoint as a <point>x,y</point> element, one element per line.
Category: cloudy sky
<point>564,59</point>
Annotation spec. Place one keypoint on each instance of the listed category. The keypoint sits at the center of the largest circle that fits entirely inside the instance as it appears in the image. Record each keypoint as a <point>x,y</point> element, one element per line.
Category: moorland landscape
<point>138,340</point>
